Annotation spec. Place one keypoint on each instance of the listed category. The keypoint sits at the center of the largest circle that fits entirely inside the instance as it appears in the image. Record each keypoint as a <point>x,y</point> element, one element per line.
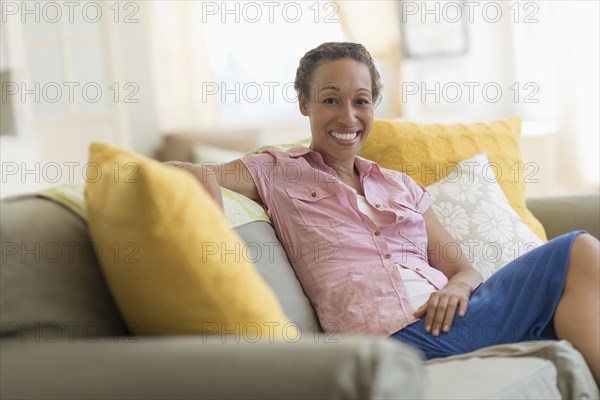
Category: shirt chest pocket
<point>316,206</point>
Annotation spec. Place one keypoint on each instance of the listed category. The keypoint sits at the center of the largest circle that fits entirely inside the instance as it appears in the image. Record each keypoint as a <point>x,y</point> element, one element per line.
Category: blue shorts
<point>516,304</point>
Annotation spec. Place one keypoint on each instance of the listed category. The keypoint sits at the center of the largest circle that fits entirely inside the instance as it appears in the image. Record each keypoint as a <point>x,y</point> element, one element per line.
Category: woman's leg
<point>577,317</point>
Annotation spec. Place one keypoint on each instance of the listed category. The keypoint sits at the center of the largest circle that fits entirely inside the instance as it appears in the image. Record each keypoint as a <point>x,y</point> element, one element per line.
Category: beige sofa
<point>63,337</point>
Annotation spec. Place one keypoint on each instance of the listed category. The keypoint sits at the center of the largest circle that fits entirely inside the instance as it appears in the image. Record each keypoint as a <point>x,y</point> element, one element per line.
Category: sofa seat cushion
<point>492,378</point>
<point>574,379</point>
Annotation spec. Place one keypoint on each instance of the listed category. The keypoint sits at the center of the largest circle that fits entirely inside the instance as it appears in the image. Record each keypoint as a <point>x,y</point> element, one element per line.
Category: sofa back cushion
<point>51,286</point>
<point>264,250</point>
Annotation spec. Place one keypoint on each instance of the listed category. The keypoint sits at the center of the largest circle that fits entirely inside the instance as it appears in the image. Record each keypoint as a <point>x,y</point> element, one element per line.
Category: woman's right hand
<point>232,175</point>
<point>203,175</point>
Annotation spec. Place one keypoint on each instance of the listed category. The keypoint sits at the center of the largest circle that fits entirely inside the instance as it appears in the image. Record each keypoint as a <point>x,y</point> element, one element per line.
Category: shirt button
<point>401,218</point>
<point>314,194</point>
<point>376,233</point>
<point>387,256</point>
<point>377,205</point>
<point>417,269</point>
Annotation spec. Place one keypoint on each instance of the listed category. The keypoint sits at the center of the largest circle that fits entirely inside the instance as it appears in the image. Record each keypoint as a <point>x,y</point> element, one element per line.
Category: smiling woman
<point>340,104</point>
<point>371,254</point>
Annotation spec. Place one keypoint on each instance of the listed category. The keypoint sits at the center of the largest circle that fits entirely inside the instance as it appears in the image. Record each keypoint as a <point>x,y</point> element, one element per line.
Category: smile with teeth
<point>345,137</point>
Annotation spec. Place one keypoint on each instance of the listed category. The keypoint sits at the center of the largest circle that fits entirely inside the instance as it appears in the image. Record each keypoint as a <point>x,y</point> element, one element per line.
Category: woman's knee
<point>584,259</point>
<point>586,244</point>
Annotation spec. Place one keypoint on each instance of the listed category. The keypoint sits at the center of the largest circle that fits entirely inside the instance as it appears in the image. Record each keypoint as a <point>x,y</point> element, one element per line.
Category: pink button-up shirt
<point>343,260</point>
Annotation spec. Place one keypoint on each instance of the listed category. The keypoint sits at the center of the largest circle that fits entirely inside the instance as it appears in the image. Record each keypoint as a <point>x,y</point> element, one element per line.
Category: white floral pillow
<point>472,207</point>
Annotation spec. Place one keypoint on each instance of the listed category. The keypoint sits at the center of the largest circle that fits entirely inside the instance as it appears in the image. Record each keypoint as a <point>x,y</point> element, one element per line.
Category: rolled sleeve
<point>424,199</point>
<point>419,197</point>
<point>260,168</point>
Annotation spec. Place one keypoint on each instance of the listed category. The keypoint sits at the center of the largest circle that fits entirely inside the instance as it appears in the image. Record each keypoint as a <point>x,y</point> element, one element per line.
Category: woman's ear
<point>302,104</point>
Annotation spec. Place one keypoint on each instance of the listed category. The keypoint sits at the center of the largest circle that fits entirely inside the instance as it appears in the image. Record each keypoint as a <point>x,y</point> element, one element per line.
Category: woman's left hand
<point>440,309</point>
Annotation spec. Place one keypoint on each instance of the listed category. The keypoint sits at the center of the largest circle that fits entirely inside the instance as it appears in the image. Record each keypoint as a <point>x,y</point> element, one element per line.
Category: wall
<point>529,52</point>
<point>50,145</point>
<point>490,59</point>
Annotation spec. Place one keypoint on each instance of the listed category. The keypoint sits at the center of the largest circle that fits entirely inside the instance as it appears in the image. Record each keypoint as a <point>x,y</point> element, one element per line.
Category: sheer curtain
<point>557,50</point>
<point>181,65</point>
<point>577,38</point>
<point>375,24</point>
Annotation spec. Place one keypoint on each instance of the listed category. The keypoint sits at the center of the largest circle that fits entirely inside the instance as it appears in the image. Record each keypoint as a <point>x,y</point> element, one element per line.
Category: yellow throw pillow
<point>428,152</point>
<point>170,260</point>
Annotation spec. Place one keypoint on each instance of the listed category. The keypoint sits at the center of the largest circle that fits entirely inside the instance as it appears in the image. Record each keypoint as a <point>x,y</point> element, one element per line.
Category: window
<point>252,51</point>
<point>255,62</point>
<point>65,57</point>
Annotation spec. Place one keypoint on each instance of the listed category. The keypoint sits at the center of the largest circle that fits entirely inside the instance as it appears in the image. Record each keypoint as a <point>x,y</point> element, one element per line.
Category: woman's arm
<point>446,255</point>
<point>232,175</point>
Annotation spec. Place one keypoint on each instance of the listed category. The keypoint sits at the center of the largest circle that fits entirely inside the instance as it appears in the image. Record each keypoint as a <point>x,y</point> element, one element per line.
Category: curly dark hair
<point>332,51</point>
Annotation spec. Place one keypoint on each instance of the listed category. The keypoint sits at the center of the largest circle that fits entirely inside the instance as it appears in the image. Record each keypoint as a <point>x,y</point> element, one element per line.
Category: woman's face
<point>340,108</point>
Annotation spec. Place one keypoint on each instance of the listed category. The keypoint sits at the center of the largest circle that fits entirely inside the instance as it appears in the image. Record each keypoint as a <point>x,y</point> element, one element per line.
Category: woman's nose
<point>347,114</point>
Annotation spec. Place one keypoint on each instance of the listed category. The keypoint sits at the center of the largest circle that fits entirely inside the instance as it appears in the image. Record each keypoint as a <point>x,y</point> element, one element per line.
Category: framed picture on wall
<point>433,29</point>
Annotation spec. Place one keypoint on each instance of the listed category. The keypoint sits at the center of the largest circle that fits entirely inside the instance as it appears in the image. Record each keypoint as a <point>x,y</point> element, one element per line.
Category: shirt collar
<point>364,166</point>
<point>296,152</point>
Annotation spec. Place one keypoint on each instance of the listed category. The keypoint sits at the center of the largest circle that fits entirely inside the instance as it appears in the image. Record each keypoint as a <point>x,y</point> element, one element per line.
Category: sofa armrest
<point>567,213</point>
<point>179,146</point>
<point>210,367</point>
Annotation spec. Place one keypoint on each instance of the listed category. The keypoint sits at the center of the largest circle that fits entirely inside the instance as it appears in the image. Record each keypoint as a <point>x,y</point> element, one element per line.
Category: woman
<point>365,243</point>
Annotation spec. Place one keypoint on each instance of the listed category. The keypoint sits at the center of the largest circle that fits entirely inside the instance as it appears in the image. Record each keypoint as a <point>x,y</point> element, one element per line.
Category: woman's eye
<point>363,101</point>
<point>329,100</point>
